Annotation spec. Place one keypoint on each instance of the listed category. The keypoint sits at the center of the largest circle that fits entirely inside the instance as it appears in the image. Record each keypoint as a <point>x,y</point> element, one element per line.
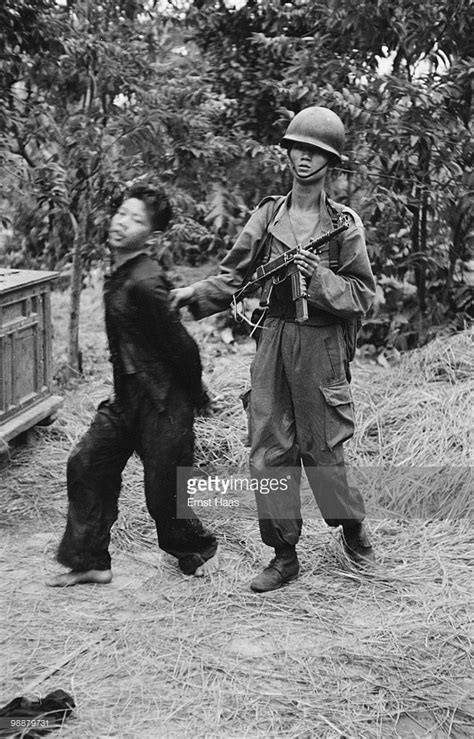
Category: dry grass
<point>413,446</point>
<point>335,654</point>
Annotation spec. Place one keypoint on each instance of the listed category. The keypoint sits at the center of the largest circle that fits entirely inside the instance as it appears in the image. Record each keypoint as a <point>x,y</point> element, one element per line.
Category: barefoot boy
<point>157,387</point>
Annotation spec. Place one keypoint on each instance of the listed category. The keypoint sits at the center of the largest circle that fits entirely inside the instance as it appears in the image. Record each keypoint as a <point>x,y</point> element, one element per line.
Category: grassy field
<point>335,654</point>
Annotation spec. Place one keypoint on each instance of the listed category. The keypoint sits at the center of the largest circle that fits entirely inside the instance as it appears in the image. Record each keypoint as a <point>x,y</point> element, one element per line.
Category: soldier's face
<point>307,162</point>
<point>130,227</point>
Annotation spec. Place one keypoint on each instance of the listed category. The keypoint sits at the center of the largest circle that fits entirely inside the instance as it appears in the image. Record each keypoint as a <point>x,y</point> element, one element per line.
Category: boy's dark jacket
<point>145,337</point>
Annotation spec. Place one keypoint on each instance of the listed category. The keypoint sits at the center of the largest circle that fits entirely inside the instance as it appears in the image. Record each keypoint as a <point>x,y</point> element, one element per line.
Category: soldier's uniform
<point>301,406</point>
<point>157,385</point>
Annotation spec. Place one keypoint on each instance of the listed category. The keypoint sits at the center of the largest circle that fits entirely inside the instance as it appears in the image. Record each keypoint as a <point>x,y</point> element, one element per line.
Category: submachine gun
<point>278,269</point>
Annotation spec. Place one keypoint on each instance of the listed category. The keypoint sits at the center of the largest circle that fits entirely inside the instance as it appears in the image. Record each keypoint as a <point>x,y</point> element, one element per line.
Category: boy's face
<point>130,227</point>
<point>307,161</point>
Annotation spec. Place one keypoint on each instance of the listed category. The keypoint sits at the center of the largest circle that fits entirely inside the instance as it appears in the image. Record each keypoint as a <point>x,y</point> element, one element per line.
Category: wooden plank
<point>47,331</point>
<point>30,417</point>
<point>12,279</point>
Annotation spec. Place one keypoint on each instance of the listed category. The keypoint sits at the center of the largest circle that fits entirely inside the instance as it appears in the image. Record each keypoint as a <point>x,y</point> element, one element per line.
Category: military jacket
<point>344,294</point>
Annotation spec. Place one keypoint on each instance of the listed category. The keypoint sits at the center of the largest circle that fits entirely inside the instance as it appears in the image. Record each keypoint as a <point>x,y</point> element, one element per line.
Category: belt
<point>315,318</point>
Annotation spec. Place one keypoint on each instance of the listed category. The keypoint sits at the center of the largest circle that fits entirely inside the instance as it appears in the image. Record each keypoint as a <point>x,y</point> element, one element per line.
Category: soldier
<point>301,408</point>
<point>157,387</point>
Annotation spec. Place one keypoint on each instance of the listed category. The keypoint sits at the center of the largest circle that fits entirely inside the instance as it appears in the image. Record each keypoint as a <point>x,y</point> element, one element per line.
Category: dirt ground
<point>157,654</point>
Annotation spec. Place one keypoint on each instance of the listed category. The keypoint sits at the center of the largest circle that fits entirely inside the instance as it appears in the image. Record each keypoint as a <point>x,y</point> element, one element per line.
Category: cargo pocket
<point>339,413</point>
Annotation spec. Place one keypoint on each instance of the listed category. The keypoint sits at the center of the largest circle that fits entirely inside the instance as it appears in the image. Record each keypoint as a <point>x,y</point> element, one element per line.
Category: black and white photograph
<point>236,369</point>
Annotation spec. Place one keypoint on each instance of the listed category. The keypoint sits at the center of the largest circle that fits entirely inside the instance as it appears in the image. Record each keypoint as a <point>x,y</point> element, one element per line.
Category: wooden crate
<point>25,352</point>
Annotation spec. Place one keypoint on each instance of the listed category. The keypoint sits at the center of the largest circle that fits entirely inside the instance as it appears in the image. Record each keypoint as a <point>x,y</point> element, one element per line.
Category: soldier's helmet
<point>319,127</point>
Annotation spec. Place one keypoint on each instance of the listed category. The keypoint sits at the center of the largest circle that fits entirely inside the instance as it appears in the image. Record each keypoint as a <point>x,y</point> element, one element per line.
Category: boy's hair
<point>156,204</point>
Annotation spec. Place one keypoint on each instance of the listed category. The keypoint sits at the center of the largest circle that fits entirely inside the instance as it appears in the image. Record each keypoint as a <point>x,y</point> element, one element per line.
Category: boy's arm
<point>350,291</point>
<point>165,331</point>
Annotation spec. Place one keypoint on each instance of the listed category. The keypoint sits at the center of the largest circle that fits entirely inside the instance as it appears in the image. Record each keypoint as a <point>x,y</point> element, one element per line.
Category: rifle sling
<point>263,252</point>
<point>334,245</point>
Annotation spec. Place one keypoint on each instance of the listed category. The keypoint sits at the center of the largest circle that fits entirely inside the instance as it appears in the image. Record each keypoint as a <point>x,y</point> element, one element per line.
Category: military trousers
<point>301,412</point>
<point>164,441</point>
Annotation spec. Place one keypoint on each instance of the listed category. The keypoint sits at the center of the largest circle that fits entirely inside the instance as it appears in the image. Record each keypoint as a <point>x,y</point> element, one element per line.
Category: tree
<point>115,97</point>
<point>407,131</point>
<point>95,95</point>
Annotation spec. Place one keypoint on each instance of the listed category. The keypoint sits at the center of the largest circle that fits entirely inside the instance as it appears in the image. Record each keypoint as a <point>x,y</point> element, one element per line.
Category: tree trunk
<point>74,354</point>
<point>421,225</point>
<point>415,233</point>
<point>423,249</point>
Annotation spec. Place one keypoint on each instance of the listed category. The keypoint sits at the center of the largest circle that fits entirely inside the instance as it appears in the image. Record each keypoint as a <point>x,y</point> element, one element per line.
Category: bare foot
<point>209,567</point>
<point>77,578</point>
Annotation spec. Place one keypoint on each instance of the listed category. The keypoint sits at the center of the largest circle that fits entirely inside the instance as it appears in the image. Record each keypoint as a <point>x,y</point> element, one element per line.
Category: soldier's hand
<point>307,262</point>
<point>180,296</point>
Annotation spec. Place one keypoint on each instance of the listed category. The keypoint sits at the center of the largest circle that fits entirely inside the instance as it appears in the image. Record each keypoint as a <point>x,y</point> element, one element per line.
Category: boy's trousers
<point>301,412</point>
<point>164,441</point>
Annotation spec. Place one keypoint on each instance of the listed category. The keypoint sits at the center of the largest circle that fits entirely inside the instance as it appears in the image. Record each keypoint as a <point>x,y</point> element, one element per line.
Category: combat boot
<point>357,544</point>
<point>282,568</point>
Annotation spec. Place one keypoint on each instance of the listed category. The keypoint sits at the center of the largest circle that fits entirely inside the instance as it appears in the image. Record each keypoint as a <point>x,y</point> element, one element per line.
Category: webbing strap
<point>334,244</point>
<point>334,248</point>
<point>263,252</point>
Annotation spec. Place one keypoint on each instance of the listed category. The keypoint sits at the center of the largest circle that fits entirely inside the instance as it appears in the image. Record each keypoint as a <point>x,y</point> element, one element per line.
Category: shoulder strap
<point>334,244</point>
<point>334,249</point>
<point>265,249</point>
<point>262,250</point>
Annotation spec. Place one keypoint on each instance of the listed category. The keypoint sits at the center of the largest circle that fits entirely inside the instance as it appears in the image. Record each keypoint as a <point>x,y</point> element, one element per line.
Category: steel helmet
<point>316,126</point>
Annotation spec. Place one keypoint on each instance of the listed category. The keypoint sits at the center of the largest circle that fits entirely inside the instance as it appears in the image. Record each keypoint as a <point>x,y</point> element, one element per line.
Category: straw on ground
<point>335,654</point>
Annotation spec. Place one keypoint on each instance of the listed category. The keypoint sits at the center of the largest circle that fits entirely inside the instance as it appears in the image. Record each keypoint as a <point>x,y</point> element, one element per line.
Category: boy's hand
<point>204,404</point>
<point>307,262</point>
<point>181,296</point>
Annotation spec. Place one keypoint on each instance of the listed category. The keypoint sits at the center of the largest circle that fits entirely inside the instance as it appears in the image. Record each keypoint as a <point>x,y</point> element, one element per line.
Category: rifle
<point>278,269</point>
